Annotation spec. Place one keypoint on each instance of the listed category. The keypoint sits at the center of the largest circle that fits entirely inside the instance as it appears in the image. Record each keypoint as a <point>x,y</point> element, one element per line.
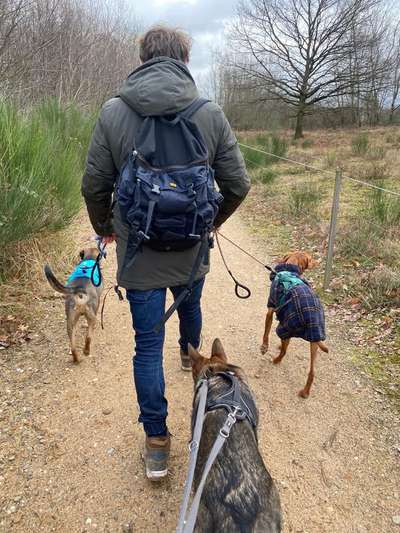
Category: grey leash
<point>194,450</point>
<point>186,525</point>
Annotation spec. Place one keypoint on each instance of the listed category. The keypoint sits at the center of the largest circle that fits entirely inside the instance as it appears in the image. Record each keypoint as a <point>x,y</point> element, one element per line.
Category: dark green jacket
<point>160,86</point>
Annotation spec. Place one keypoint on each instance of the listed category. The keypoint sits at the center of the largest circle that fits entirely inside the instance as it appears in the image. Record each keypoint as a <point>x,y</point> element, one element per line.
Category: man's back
<point>161,86</point>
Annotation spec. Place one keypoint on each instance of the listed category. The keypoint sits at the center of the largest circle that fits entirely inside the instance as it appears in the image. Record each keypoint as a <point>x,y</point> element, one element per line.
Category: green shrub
<point>383,208</point>
<point>331,159</point>
<point>279,146</point>
<point>303,199</point>
<point>262,139</point>
<point>267,176</point>
<point>41,163</point>
<point>272,144</point>
<point>307,143</point>
<point>358,240</point>
<point>253,158</point>
<point>360,144</point>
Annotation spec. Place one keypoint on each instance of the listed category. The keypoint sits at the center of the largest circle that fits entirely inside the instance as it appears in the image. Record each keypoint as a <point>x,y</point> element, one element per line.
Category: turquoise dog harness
<point>89,268</point>
<point>287,280</point>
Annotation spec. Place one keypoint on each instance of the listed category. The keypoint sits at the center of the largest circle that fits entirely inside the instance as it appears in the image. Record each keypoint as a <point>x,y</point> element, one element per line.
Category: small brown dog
<point>298,310</point>
<point>82,296</point>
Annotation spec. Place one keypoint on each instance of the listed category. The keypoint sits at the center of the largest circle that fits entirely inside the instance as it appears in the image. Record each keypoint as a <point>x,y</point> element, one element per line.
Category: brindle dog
<point>82,298</point>
<point>239,494</point>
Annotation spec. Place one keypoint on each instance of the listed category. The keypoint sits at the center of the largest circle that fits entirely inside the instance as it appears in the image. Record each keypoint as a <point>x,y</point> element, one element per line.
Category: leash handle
<point>241,290</point>
<point>240,287</point>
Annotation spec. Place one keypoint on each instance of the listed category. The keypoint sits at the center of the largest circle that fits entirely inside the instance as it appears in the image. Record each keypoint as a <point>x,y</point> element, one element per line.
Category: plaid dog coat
<point>301,314</point>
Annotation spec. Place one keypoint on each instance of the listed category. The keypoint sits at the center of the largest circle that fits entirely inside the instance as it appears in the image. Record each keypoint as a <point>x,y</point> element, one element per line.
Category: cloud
<point>205,20</point>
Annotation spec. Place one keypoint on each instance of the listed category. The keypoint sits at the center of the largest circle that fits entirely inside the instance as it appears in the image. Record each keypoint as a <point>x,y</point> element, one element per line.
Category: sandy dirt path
<point>70,443</point>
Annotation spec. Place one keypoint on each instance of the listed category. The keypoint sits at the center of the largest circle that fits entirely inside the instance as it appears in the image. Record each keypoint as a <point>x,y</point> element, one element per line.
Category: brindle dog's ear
<point>82,254</point>
<point>217,350</point>
<point>197,361</point>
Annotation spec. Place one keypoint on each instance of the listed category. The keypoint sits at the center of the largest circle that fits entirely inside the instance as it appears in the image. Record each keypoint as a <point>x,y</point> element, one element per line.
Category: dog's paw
<point>276,360</point>
<point>303,394</point>
<point>264,348</point>
<point>86,352</point>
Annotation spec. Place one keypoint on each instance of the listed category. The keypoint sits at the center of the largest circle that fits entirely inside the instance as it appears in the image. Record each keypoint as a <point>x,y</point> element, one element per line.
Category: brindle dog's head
<point>218,362</point>
<point>88,253</point>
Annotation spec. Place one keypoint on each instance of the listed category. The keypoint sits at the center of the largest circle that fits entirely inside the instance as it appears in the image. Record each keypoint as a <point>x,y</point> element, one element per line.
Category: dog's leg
<point>91,320</point>
<point>268,324</point>
<point>71,329</point>
<point>304,393</point>
<point>283,350</point>
<point>323,347</point>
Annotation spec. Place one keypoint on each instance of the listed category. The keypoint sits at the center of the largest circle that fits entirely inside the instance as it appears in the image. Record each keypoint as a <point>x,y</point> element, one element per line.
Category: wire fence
<point>361,224</point>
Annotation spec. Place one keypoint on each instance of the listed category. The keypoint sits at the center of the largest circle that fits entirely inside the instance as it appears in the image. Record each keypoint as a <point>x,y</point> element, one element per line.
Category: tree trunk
<point>298,134</point>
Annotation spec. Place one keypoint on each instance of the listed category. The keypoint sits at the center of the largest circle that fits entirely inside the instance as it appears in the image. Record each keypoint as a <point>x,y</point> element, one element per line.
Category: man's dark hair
<point>162,40</point>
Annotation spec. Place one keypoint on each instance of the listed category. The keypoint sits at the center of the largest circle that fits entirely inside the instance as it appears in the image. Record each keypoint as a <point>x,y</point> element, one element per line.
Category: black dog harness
<point>239,408</point>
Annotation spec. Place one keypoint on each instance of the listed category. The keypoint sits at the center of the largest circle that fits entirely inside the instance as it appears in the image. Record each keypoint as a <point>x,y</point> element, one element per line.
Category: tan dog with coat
<point>298,310</point>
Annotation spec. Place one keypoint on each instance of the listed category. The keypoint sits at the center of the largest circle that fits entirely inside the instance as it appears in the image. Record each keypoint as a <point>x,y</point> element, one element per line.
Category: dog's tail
<point>323,347</point>
<point>57,286</point>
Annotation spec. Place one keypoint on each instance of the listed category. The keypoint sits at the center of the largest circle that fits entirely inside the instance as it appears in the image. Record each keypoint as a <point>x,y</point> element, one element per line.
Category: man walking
<point>162,86</point>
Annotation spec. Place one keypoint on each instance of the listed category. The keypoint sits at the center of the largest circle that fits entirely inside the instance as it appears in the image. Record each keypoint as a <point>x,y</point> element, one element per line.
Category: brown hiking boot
<point>156,455</point>
<point>186,365</point>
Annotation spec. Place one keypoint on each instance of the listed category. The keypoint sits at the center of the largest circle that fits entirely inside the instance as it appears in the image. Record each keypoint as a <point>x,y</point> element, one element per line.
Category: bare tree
<point>297,49</point>
<point>394,83</point>
<point>70,50</point>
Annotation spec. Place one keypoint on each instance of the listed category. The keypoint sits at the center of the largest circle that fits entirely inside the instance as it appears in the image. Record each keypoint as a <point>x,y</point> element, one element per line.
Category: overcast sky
<point>205,20</point>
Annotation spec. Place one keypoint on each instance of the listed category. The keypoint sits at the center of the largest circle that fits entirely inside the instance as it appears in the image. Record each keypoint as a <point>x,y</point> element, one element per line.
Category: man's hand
<point>108,239</point>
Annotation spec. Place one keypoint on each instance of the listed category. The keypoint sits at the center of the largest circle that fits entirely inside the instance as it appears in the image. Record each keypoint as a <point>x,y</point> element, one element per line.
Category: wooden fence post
<point>332,228</point>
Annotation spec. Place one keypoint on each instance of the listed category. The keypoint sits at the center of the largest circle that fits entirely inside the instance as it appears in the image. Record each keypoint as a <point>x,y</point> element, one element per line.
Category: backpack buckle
<point>156,189</point>
<point>143,235</point>
<point>194,236</point>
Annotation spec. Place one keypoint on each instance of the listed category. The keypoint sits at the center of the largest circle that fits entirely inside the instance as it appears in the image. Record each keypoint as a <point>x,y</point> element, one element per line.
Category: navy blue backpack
<point>166,192</point>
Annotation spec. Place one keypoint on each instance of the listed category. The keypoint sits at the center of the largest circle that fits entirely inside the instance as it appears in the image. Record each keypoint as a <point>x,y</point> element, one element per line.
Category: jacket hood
<point>161,86</point>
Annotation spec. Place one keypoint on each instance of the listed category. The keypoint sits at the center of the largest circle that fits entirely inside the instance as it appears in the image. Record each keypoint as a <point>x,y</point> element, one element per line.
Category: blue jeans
<point>147,309</point>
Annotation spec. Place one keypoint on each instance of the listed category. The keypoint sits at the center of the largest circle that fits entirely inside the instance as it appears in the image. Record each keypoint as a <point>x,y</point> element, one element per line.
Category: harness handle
<point>102,253</point>
<point>241,290</point>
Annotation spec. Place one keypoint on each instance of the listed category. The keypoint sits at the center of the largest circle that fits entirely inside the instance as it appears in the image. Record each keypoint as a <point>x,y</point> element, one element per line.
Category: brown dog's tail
<point>323,347</point>
<point>57,286</point>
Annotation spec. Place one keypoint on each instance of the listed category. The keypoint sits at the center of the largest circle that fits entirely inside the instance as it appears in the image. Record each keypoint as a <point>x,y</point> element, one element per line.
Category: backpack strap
<point>189,111</point>
<point>204,246</point>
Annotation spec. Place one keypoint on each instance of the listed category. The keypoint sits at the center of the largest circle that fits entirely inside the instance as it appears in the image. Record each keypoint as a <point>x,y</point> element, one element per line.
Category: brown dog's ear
<point>312,263</point>
<point>306,261</point>
<point>217,350</point>
<point>283,259</point>
<point>82,254</point>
